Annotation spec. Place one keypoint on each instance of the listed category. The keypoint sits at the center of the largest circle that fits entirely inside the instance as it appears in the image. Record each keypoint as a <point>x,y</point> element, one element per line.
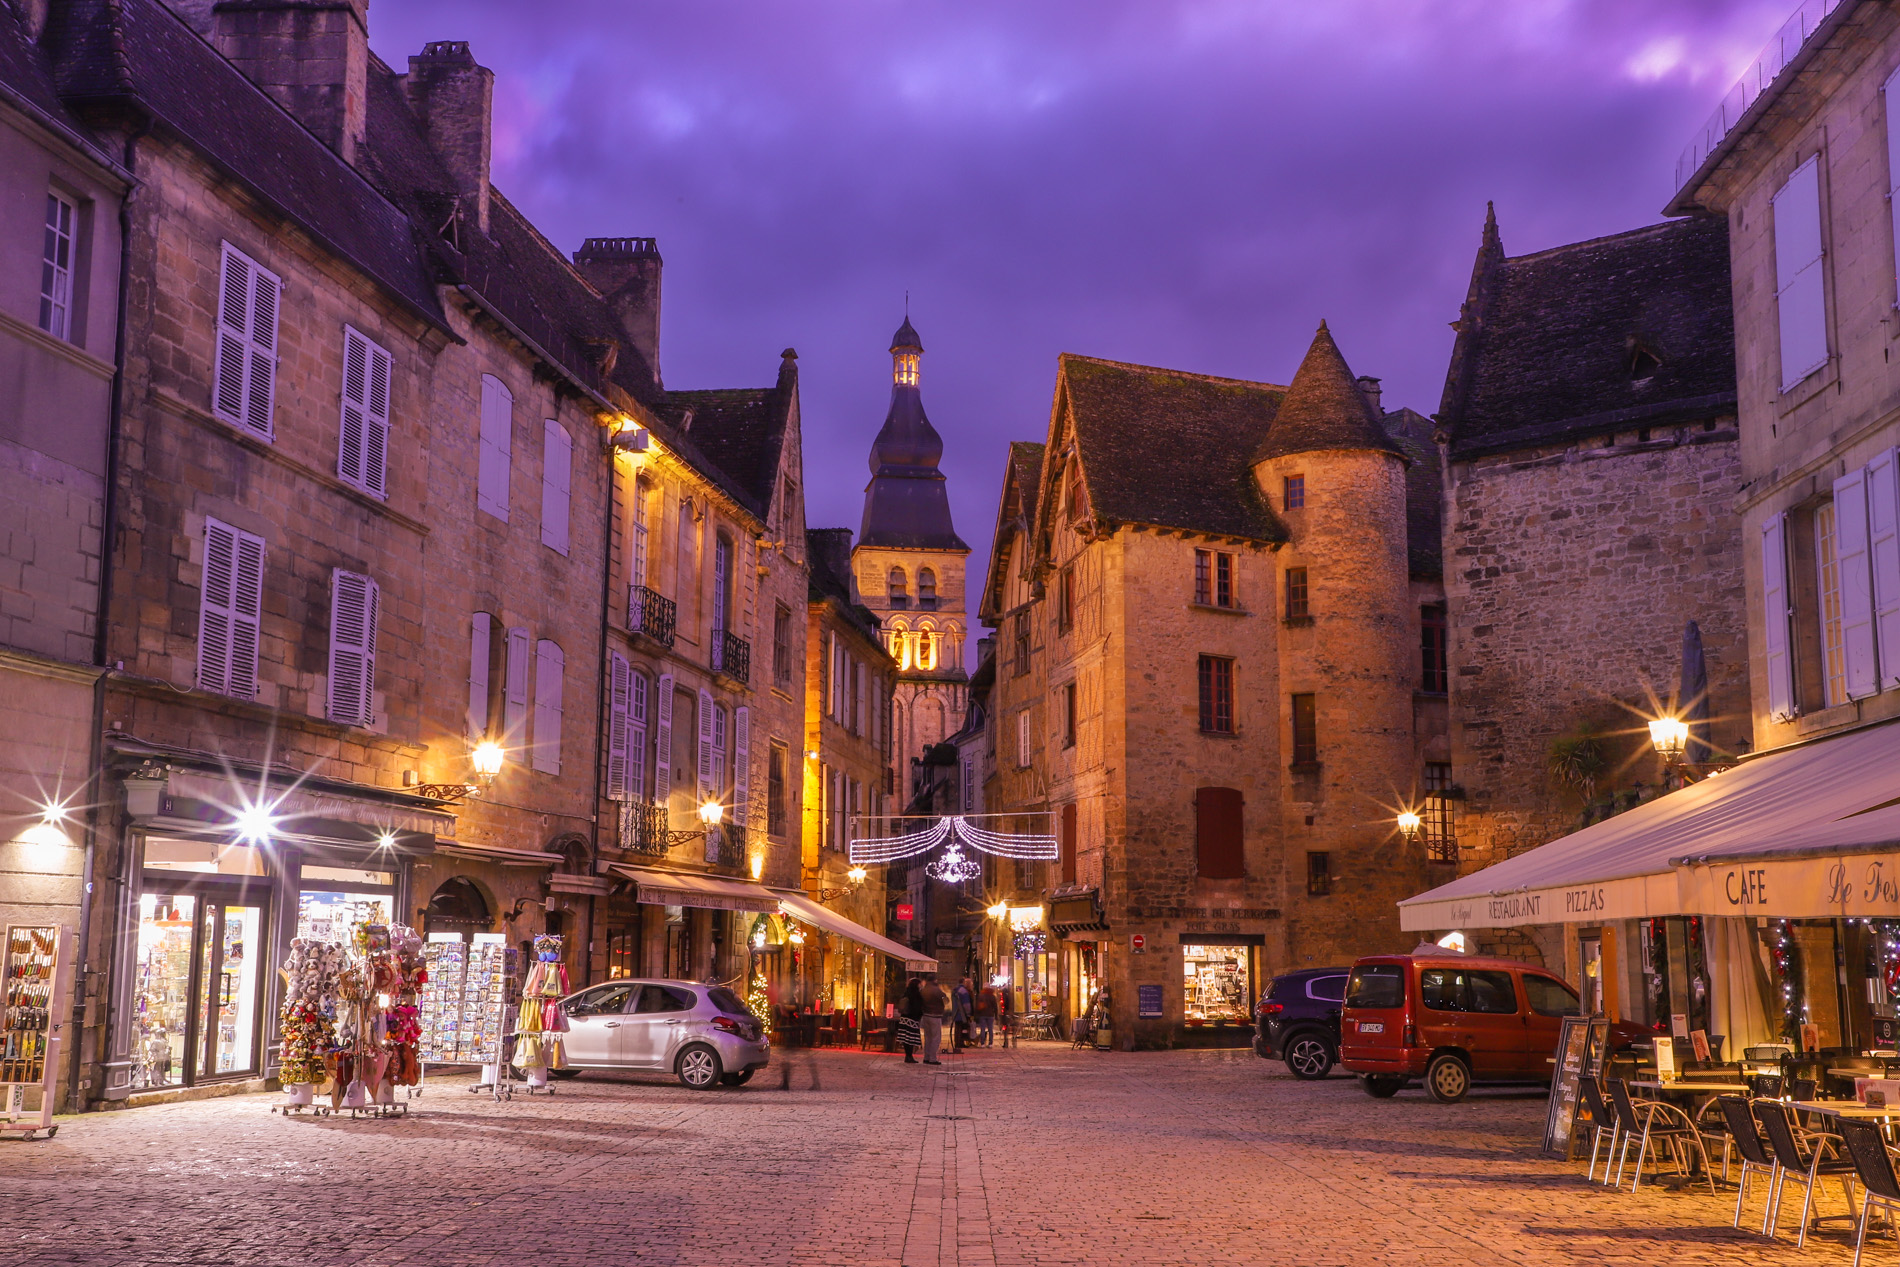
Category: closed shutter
<point>363,445</point>
<point>514,703</point>
<point>857,697</point>
<point>741,766</point>
<point>354,601</point>
<point>1774,599</point>
<point>478,652</point>
<point>1883,548</point>
<point>557,476</point>
<point>230,610</point>
<point>244,363</point>
<point>1799,291</point>
<point>637,737</point>
<point>1859,661</point>
<point>663,738</point>
<point>619,687</point>
<point>1067,843</point>
<point>549,670</point>
<point>707,788</point>
<point>1022,738</point>
<point>497,445</point>
<point>1890,92</point>
<point>1218,833</point>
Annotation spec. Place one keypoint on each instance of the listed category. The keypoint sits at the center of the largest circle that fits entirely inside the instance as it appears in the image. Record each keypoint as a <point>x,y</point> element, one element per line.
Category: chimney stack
<point>627,272</point>
<point>1369,388</point>
<point>454,100</point>
<point>311,55</point>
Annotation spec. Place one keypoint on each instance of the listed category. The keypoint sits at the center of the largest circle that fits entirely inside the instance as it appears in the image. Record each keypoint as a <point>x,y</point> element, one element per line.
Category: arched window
<point>457,907</point>
<point>926,657</point>
<point>927,589</point>
<point>899,588</point>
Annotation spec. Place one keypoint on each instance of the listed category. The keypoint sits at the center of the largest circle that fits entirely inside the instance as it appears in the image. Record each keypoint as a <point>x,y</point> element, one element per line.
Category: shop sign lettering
<point>1746,886</point>
<point>1517,906</point>
<point>1875,885</point>
<point>1211,926</point>
<point>1584,901</point>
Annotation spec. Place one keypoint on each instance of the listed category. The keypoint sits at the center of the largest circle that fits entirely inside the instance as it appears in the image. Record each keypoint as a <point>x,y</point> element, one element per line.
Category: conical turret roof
<point>1324,409</point>
<point>906,338</point>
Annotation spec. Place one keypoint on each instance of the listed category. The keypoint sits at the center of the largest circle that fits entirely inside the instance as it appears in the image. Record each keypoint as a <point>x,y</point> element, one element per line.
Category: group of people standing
<point>974,1016</point>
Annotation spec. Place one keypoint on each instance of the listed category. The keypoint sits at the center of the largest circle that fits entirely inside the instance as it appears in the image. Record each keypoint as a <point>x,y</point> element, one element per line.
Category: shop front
<point>1218,975</point>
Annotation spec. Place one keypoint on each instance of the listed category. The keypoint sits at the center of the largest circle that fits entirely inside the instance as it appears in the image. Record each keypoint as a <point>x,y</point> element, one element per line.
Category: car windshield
<point>728,1002</point>
<point>1376,985</point>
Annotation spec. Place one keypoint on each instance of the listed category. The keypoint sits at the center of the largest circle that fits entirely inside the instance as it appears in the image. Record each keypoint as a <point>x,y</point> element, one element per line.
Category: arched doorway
<point>458,907</point>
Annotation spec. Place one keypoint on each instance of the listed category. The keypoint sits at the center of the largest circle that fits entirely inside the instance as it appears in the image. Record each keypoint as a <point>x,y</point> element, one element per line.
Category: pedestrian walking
<point>936,1002</point>
<point>909,1016</point>
<point>1002,1013</point>
<point>962,1009</point>
<point>986,1016</point>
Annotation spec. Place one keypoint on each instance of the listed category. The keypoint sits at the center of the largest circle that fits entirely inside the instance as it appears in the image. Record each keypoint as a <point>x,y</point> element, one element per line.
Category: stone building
<point>60,196</point>
<point>908,569</point>
<point>1592,463</point>
<point>1208,673</point>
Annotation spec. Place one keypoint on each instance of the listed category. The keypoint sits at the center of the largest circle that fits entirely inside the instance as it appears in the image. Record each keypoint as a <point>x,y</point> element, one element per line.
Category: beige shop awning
<point>657,887</point>
<point>1807,807</point>
<point>801,907</point>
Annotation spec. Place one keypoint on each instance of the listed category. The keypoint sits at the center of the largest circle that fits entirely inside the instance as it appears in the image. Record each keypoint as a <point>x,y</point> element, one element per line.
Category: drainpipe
<point>604,703</point>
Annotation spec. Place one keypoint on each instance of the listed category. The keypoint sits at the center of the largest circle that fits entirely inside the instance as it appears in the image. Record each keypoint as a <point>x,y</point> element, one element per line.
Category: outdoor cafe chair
<point>1669,1126</point>
<point>1822,1160</point>
<point>1874,1167</point>
<point>1749,1146</point>
<point>1601,1120</point>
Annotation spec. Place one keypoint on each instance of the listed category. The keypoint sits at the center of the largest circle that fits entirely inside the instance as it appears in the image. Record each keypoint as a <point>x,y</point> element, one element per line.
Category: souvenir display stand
<point>351,1018</point>
<point>467,1003</point>
<point>541,1020</point>
<point>34,1000</point>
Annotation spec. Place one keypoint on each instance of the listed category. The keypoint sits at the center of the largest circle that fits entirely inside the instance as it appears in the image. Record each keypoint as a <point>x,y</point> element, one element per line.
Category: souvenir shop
<point>1217,988</point>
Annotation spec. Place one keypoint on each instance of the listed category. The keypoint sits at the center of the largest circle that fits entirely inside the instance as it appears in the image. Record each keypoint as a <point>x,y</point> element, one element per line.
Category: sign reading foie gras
<point>1849,886</point>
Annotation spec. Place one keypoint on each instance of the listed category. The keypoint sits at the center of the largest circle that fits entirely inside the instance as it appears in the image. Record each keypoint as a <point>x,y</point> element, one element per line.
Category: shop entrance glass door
<point>196,989</point>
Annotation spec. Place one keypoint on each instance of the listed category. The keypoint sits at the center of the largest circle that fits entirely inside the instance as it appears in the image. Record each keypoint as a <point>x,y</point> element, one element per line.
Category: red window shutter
<point>1068,844</point>
<point>1218,833</point>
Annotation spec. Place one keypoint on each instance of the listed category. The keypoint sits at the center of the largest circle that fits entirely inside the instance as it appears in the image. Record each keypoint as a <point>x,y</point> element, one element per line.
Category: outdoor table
<point>1848,1108</point>
<point>1038,1024</point>
<point>1710,1089</point>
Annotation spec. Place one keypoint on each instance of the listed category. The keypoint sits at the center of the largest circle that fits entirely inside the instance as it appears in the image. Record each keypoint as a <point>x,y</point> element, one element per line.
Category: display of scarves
<point>541,1020</point>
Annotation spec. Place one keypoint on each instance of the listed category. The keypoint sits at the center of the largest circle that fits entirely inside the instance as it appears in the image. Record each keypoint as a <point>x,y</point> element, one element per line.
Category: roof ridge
<point>1163,369</point>
<point>1563,247</point>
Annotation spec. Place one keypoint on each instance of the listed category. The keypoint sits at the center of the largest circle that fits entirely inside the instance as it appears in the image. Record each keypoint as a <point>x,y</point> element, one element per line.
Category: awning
<point>801,907</point>
<point>692,888</point>
<point>499,854</point>
<point>1835,795</point>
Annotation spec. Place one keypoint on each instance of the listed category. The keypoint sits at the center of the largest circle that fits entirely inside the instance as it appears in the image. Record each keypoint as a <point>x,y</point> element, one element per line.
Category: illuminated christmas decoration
<point>954,868</point>
<point>1027,942</point>
<point>955,830</point>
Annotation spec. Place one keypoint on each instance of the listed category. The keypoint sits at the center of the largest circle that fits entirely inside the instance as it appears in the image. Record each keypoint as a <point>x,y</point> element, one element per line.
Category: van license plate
<point>1372,1027</point>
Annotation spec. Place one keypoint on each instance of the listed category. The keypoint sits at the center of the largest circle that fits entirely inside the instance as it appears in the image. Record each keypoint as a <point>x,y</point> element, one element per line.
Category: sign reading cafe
<point>1855,886</point>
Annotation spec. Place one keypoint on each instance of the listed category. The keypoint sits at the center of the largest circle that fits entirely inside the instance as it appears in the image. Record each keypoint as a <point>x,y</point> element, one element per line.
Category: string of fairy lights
<point>955,831</point>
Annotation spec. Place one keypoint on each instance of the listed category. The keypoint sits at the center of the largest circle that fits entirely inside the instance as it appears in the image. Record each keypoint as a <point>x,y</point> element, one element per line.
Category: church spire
<point>906,504</point>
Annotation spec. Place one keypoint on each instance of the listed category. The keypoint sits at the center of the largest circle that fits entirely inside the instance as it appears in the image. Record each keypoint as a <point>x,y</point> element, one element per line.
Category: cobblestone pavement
<point>1031,1157</point>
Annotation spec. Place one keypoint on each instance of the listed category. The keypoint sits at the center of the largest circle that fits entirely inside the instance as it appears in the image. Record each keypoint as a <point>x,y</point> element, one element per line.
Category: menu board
<point>26,1014</point>
<point>1581,1046</point>
<point>463,1002</point>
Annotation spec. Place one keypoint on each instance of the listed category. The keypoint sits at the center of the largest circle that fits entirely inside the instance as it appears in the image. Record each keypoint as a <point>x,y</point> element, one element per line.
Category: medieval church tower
<point>908,567</point>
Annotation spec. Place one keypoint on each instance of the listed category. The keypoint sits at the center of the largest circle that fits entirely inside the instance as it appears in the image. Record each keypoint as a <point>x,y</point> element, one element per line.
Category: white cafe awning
<point>801,907</point>
<point>1809,807</point>
<point>693,888</point>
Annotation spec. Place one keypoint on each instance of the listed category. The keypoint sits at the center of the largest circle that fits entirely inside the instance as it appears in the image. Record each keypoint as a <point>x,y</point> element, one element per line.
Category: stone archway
<point>458,906</point>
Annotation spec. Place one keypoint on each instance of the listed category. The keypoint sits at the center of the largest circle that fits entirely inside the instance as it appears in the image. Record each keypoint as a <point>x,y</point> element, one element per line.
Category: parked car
<point>704,1035</point>
<point>1298,1020</point>
<point>1454,1020</point>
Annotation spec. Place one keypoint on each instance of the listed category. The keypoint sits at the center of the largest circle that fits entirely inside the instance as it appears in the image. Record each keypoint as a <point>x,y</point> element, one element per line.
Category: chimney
<point>454,100</point>
<point>311,55</point>
<point>627,272</point>
<point>33,14</point>
<point>1369,388</point>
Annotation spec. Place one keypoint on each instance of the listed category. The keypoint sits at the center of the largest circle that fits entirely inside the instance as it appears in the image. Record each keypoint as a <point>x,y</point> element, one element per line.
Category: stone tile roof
<point>1171,449</point>
<point>1555,345</point>
<point>739,431</point>
<point>1424,492</point>
<point>1323,408</point>
<point>1015,512</point>
<point>828,555</point>
<point>25,72</point>
<point>1025,470</point>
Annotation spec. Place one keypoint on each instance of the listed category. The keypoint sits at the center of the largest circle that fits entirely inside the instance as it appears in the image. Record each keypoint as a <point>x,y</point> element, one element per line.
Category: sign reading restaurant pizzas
<point>905,911</point>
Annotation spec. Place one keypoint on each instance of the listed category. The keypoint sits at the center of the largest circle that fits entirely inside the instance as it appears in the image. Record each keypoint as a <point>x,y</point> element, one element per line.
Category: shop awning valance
<point>1811,807</point>
<point>499,854</point>
<point>210,802</point>
<point>693,888</point>
<point>802,908</point>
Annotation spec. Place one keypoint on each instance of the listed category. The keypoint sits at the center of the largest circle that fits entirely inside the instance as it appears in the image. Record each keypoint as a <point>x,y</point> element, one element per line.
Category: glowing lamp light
<point>255,823</point>
<point>1454,941</point>
<point>757,863</point>
<point>487,759</point>
<point>797,937</point>
<point>711,812</point>
<point>387,840</point>
<point>1024,916</point>
<point>811,754</point>
<point>856,875</point>
<point>1409,823</point>
<point>1670,736</point>
<point>999,911</point>
<point>53,813</point>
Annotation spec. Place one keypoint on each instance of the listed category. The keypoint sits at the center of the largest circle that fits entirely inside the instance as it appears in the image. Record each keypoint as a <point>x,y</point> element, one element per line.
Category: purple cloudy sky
<point>1191,184</point>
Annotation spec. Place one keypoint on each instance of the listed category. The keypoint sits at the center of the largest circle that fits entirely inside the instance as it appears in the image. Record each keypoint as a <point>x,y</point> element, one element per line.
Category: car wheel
<point>736,1079</point>
<point>1382,1086</point>
<point>698,1067</point>
<point>1310,1057</point>
<point>564,1073</point>
<point>1447,1078</point>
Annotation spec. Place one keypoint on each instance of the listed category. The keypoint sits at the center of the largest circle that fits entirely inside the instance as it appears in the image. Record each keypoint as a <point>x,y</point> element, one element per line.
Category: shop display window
<point>1675,972</point>
<point>197,990</point>
<point>203,857</point>
<point>1217,983</point>
<point>329,915</point>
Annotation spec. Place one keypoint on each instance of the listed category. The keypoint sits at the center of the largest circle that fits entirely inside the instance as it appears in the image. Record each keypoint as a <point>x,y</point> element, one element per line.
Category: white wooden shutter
<point>514,687</point>
<point>741,765</point>
<point>557,477</point>
<point>706,785</point>
<point>483,629</point>
<point>1774,601</point>
<point>1890,92</point>
<point>363,438</point>
<point>663,739</point>
<point>354,601</point>
<point>549,669</point>
<point>619,687</point>
<point>230,609</point>
<point>1859,660</point>
<point>497,443</point>
<point>244,362</point>
<point>1799,291</point>
<point>1883,534</point>
<point>637,736</point>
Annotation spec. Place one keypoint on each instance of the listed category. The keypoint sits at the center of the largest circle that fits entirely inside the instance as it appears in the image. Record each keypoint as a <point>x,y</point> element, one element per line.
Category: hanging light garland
<point>953,867</point>
<point>954,830</point>
<point>1027,941</point>
<point>1787,959</point>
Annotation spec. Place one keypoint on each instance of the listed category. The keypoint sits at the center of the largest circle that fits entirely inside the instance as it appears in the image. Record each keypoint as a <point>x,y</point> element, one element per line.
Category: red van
<point>1454,1020</point>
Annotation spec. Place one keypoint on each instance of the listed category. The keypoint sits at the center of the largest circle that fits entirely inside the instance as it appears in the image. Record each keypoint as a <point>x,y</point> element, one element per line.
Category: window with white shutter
<point>354,601</point>
<point>1890,93</point>
<point>1774,573</point>
<point>244,362</point>
<point>642,492</point>
<point>663,739</point>
<point>1800,299</point>
<point>497,448</point>
<point>480,637</point>
<point>619,687</point>
<point>230,610</point>
<point>557,477</point>
<point>637,736</point>
<point>706,786</point>
<point>363,442</point>
<point>1860,665</point>
<point>741,767</point>
<point>516,666</point>
<point>549,668</point>
<point>1883,548</point>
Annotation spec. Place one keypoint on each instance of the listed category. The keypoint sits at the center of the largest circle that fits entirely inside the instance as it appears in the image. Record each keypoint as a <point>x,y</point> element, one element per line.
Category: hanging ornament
<point>954,868</point>
<point>955,830</point>
<point>1027,941</point>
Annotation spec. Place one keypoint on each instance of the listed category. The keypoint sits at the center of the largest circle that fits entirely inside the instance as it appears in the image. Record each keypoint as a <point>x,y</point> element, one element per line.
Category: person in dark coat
<point>910,1012</point>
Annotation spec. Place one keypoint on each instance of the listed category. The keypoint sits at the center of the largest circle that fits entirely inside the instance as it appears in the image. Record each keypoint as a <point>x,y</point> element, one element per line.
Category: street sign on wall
<point>1138,942</point>
<point>1148,1000</point>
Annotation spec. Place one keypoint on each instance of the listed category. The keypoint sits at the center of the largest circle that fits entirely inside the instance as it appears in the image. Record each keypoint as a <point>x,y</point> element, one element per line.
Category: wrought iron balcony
<point>643,828</point>
<point>731,655</point>
<point>651,614</point>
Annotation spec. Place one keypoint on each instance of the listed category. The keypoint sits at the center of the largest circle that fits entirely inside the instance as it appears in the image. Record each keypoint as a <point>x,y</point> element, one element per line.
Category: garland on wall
<point>1786,954</point>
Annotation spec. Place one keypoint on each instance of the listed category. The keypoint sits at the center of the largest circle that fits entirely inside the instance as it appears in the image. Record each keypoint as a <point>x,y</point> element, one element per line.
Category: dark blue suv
<point>1298,1021</point>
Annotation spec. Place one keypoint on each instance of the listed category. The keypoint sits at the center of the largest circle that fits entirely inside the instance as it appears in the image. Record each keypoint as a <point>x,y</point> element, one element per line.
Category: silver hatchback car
<point>702,1034</point>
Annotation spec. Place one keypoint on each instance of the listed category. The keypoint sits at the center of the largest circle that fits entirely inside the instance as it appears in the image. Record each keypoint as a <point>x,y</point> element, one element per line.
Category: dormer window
<point>899,588</point>
<point>927,589</point>
<point>1642,362</point>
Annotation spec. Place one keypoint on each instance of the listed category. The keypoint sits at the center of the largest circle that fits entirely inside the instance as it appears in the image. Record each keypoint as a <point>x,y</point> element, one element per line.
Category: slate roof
<point>26,73</point>
<point>1323,408</point>
<point>1424,492</point>
<point>1015,509</point>
<point>740,430</point>
<point>1171,449</point>
<point>828,555</point>
<point>1546,341</point>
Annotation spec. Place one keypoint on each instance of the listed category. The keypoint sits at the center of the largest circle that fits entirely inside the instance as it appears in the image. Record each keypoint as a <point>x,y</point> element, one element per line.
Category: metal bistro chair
<point>1777,1123</point>
<point>1668,1125</point>
<point>1746,1137</point>
<point>1875,1169</point>
<point>1602,1119</point>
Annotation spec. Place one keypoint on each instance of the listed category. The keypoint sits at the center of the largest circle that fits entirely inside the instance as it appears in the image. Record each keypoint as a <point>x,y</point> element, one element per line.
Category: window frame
<point>1069,709</point>
<point>1434,636</point>
<point>1319,873</point>
<point>1293,492</point>
<point>1800,255</point>
<point>1297,597</point>
<point>1204,577</point>
<point>1303,709</point>
<point>57,275</point>
<point>1214,677</point>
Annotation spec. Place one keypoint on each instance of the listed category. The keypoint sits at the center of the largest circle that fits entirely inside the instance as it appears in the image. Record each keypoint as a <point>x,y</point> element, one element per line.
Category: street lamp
<point>486,761</point>
<point>1670,736</point>
<point>710,813</point>
<point>1409,824</point>
<point>999,911</point>
<point>856,875</point>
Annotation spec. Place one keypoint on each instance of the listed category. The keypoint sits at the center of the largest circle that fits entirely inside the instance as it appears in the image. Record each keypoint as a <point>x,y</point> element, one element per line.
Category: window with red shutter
<point>1068,843</point>
<point>1217,833</point>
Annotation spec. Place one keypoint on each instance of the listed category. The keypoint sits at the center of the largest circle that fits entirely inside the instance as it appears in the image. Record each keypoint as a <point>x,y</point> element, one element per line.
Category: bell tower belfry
<point>908,567</point>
